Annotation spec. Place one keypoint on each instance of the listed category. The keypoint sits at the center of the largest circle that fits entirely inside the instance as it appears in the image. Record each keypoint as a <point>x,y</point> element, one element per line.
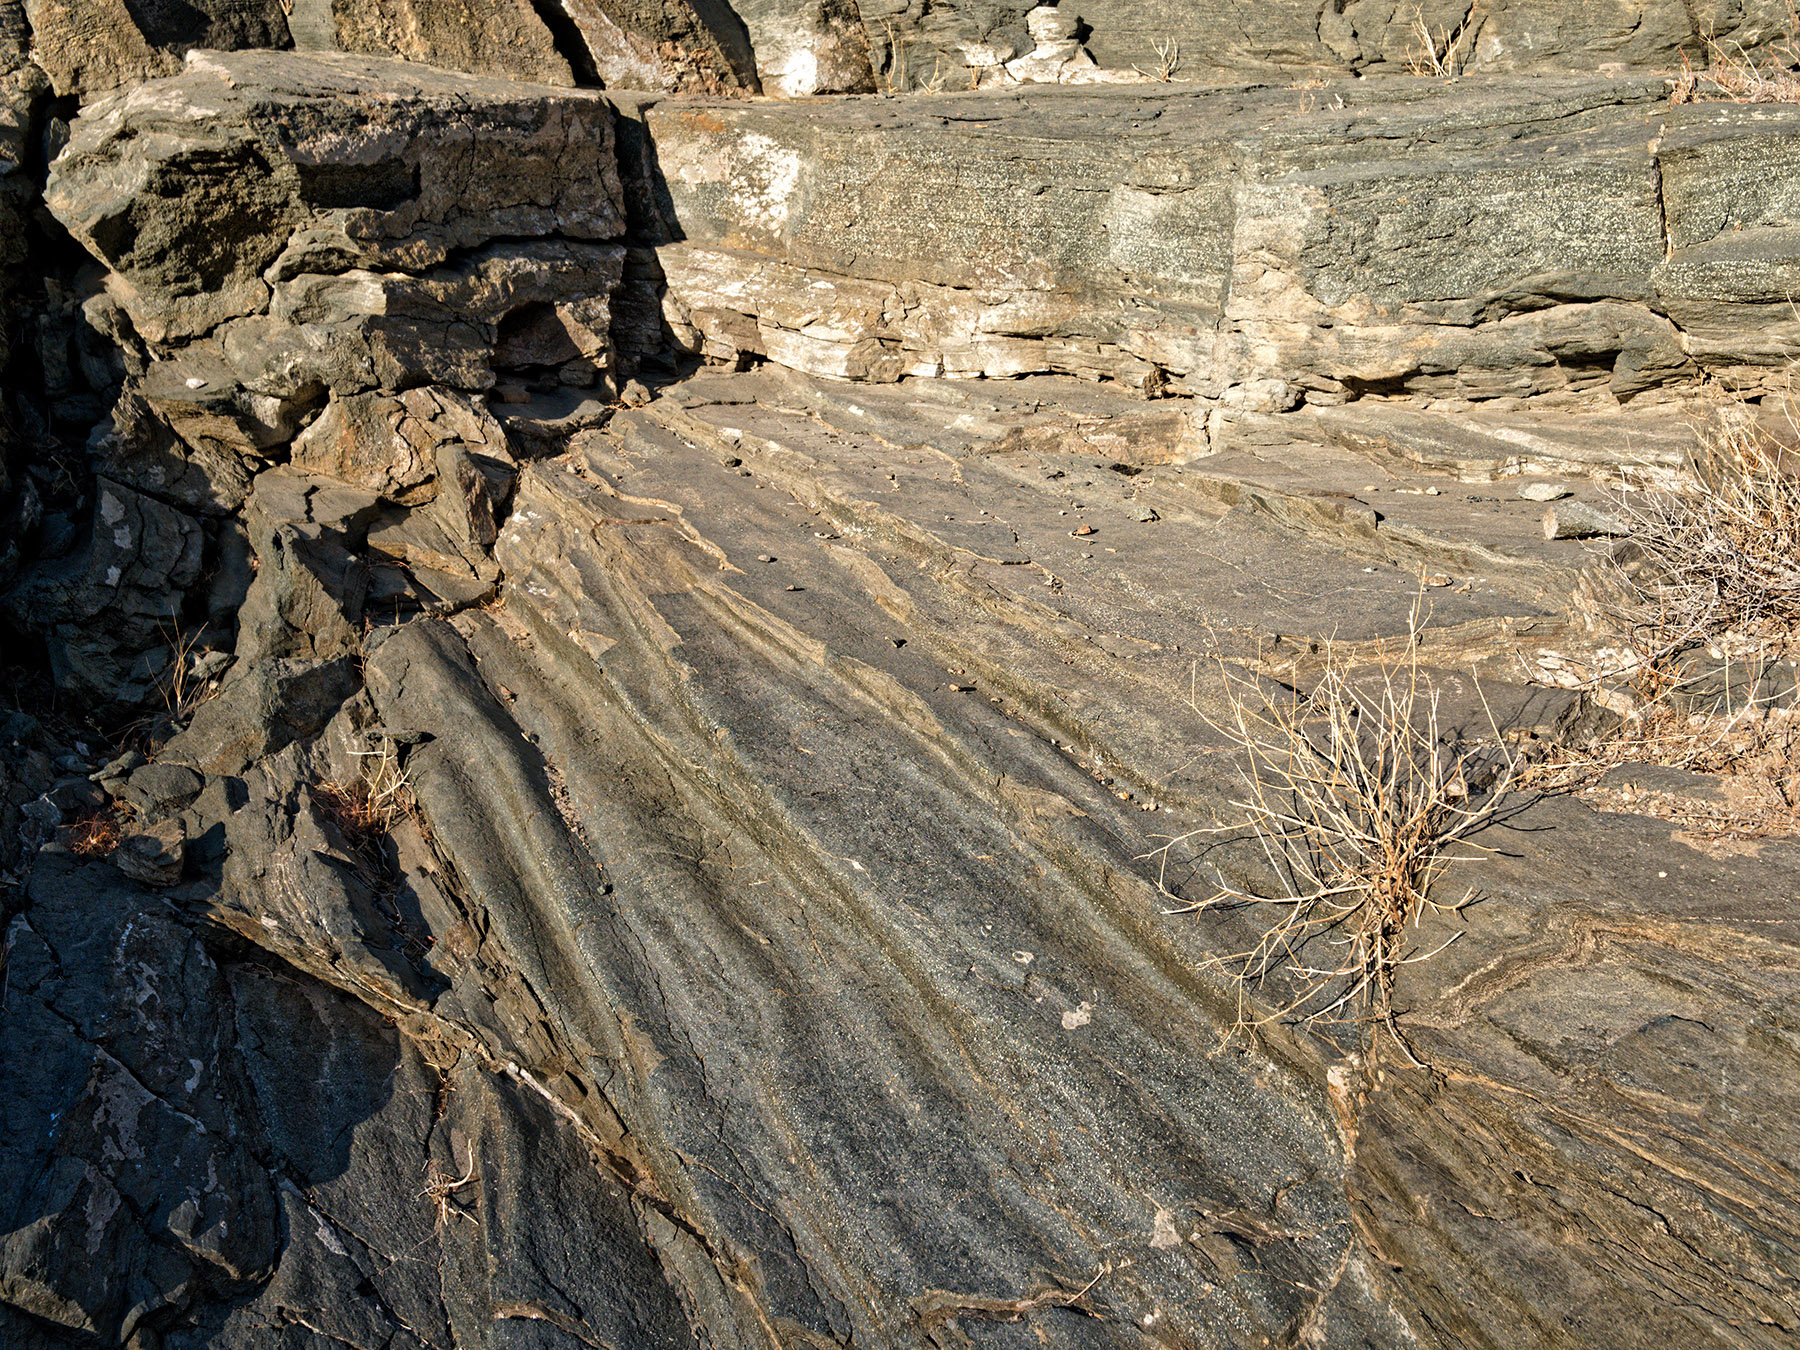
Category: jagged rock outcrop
<point>90,46</point>
<point>945,46</point>
<point>505,37</point>
<point>794,48</point>
<point>327,260</point>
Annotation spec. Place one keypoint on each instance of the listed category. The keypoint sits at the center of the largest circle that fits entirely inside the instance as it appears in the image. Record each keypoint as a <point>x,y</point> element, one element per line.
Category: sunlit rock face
<point>621,704</point>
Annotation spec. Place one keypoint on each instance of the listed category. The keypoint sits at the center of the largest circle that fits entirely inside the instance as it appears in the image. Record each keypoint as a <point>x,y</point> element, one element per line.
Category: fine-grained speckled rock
<point>1486,240</point>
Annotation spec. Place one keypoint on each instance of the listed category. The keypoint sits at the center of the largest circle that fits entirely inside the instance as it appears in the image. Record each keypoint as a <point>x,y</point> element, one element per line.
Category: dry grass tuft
<point>1709,587</point>
<point>180,692</point>
<point>98,833</point>
<point>1724,559</point>
<point>1444,55</point>
<point>367,808</point>
<point>1732,75</point>
<point>1357,802</point>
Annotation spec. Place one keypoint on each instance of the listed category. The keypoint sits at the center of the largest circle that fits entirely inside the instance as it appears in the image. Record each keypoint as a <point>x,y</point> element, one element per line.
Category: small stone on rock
<point>1543,492</point>
<point>154,854</point>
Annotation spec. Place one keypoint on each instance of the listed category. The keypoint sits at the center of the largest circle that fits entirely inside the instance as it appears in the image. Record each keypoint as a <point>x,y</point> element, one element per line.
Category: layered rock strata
<point>1485,242</point>
<point>639,867</point>
<point>794,48</point>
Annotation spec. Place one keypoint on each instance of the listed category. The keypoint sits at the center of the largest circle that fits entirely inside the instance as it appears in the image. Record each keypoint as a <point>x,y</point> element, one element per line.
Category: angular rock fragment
<point>154,790</point>
<point>1578,520</point>
<point>375,152</point>
<point>500,38</point>
<point>390,443</point>
<point>109,611</point>
<point>153,854</point>
<point>1542,492</point>
<point>265,706</point>
<point>140,450</point>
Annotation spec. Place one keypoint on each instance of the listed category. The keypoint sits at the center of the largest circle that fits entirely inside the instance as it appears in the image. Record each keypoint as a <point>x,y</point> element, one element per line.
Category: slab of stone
<point>1542,492</point>
<point>1579,520</point>
<point>155,790</point>
<point>154,853</point>
<point>1239,245</point>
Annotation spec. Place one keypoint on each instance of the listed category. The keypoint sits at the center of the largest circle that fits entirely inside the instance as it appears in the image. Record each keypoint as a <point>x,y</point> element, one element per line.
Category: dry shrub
<point>1732,75</point>
<point>1357,801</point>
<point>1709,600</point>
<point>97,834</point>
<point>1722,560</point>
<point>1168,61</point>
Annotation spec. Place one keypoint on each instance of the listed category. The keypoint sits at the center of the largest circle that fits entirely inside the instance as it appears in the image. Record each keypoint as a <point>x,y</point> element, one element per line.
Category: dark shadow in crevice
<point>566,36</point>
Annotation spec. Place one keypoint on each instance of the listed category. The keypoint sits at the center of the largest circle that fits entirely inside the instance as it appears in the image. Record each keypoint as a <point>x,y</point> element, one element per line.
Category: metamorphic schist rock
<point>616,739</point>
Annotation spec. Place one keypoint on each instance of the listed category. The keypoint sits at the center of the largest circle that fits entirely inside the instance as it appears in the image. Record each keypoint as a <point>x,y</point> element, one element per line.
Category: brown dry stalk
<point>181,692</point>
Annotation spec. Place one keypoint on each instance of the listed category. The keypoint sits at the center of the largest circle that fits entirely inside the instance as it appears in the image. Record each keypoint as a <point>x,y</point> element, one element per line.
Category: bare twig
<point>440,1187</point>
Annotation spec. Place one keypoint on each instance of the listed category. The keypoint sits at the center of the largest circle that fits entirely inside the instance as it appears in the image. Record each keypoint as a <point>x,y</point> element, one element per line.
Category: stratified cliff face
<point>660,644</point>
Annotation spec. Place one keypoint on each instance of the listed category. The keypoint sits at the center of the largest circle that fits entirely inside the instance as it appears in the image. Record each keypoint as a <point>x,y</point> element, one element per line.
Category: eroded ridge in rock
<point>693,631</point>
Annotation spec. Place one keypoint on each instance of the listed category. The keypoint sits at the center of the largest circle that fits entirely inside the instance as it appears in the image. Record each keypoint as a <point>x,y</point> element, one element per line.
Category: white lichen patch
<point>764,180</point>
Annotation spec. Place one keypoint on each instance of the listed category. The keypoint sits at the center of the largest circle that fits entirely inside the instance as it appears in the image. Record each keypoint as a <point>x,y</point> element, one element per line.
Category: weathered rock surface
<point>324,260</point>
<point>90,46</point>
<point>319,165</point>
<point>504,37</point>
<point>690,860</point>
<point>1485,241</point>
<point>794,48</point>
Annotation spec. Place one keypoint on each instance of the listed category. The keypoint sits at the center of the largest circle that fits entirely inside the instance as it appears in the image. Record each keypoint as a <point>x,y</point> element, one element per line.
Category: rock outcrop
<point>630,753</point>
<point>320,265</point>
<point>794,48</point>
<point>1475,242</point>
